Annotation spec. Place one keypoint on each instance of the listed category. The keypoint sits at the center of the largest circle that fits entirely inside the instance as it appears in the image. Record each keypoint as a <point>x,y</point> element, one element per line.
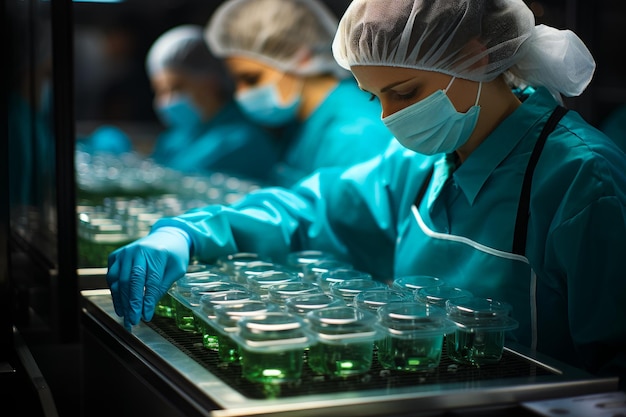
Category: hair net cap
<point>472,39</point>
<point>183,48</point>
<point>290,35</point>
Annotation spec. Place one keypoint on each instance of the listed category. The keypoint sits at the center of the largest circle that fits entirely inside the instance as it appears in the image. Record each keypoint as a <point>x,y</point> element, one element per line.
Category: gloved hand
<point>140,273</point>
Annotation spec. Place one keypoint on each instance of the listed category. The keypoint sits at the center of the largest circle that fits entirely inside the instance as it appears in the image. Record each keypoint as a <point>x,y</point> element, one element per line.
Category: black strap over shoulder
<point>523,209</point>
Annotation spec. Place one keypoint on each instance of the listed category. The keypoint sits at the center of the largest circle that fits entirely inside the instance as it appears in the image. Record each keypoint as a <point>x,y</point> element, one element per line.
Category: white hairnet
<point>472,39</point>
<point>290,35</point>
<point>183,48</point>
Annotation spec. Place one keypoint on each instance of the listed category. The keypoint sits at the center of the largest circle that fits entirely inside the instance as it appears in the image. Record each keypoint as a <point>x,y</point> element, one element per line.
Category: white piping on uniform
<point>495,252</point>
<point>462,239</point>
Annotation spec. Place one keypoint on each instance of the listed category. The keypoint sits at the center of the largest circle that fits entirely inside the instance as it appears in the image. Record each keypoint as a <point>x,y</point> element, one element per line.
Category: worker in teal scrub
<point>522,202</point>
<point>205,128</point>
<point>279,53</point>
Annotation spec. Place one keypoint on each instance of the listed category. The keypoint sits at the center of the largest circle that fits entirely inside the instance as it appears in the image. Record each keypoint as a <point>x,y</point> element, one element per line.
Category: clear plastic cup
<point>344,341</point>
<point>229,263</point>
<point>250,269</point>
<point>326,279</point>
<point>260,283</point>
<point>225,323</point>
<point>196,273</point>
<point>412,283</point>
<point>439,295</point>
<point>272,347</point>
<point>372,300</point>
<point>205,312</point>
<point>481,324</point>
<point>300,305</point>
<point>351,288</point>
<point>314,270</point>
<point>298,260</point>
<point>184,298</point>
<point>280,293</point>
<point>413,336</point>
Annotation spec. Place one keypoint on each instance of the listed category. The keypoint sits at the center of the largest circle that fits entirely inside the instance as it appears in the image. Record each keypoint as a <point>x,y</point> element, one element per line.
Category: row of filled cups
<point>268,321</point>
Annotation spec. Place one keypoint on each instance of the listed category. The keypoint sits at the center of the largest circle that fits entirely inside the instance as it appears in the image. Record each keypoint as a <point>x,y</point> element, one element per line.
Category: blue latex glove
<point>141,272</point>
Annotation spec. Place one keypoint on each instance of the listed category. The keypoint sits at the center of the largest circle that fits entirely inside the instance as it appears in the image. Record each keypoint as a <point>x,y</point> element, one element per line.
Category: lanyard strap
<point>523,209</point>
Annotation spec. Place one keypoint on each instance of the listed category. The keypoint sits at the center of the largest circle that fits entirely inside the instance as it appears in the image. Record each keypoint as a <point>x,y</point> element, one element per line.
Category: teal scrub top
<point>344,129</point>
<point>568,290</point>
<point>227,143</point>
<point>615,126</point>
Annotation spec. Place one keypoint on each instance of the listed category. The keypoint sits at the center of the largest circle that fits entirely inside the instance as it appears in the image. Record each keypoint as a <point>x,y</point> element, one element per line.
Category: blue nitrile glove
<point>141,272</point>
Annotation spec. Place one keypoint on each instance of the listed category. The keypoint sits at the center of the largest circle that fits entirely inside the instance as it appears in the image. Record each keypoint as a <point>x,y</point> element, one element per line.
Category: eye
<point>248,79</point>
<point>406,96</point>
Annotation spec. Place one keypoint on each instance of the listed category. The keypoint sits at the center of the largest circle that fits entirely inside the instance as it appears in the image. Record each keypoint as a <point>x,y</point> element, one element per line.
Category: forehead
<point>241,64</point>
<point>374,78</point>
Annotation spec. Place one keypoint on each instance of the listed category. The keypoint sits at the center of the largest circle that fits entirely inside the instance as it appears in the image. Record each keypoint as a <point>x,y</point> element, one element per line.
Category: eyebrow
<point>392,85</point>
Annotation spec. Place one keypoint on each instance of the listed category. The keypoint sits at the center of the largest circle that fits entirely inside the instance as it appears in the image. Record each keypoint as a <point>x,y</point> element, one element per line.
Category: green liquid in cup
<point>341,360</point>
<point>209,334</point>
<point>184,317</point>
<point>412,355</point>
<point>475,348</point>
<point>165,307</point>
<point>228,350</point>
<point>272,367</point>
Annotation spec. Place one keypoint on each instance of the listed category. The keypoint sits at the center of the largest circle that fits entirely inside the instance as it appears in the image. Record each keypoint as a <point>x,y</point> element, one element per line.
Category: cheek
<point>390,107</point>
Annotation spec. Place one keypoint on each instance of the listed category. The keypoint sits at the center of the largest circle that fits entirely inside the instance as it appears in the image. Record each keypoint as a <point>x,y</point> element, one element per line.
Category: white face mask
<point>262,105</point>
<point>433,125</point>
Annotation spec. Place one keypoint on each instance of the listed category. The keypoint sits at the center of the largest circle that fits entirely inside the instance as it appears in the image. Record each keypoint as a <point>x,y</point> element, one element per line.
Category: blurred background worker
<point>205,129</point>
<point>279,53</point>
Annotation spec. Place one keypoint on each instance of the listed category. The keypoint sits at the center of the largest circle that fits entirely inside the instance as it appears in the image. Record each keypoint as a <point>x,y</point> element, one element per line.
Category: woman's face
<point>397,88</point>
<point>250,73</point>
<point>169,83</point>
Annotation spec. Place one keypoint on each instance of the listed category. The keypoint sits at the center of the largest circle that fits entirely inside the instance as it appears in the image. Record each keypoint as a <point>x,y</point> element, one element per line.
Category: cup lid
<point>343,324</point>
<point>414,320</point>
<point>272,331</point>
<point>477,312</point>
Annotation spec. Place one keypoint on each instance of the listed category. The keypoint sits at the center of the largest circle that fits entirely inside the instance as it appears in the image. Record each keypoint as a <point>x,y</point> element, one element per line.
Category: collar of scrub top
<point>474,172</point>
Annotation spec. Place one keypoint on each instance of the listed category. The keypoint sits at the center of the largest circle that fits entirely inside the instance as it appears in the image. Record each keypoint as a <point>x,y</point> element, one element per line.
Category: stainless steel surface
<point>558,381</point>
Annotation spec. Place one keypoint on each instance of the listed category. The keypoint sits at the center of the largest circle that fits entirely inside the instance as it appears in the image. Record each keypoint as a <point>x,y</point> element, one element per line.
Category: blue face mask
<point>433,125</point>
<point>179,112</point>
<point>262,105</point>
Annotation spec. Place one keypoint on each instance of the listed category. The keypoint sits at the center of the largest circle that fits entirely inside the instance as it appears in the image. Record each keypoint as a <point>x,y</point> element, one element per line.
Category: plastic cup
<point>205,312</point>
<point>298,260</point>
<point>372,300</point>
<point>272,347</point>
<point>280,293</point>
<point>413,336</point>
<point>166,305</point>
<point>344,341</point>
<point>251,269</point>
<point>260,283</point>
<point>351,288</point>
<point>300,305</point>
<point>225,323</point>
<point>328,278</point>
<point>439,295</point>
<point>184,300</point>
<point>229,263</point>
<point>412,283</point>
<point>481,324</point>
<point>314,270</point>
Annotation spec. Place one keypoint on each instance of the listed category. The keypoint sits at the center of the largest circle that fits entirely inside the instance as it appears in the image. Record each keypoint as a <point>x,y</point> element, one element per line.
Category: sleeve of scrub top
<point>585,256</point>
<point>341,211</point>
<point>594,251</point>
